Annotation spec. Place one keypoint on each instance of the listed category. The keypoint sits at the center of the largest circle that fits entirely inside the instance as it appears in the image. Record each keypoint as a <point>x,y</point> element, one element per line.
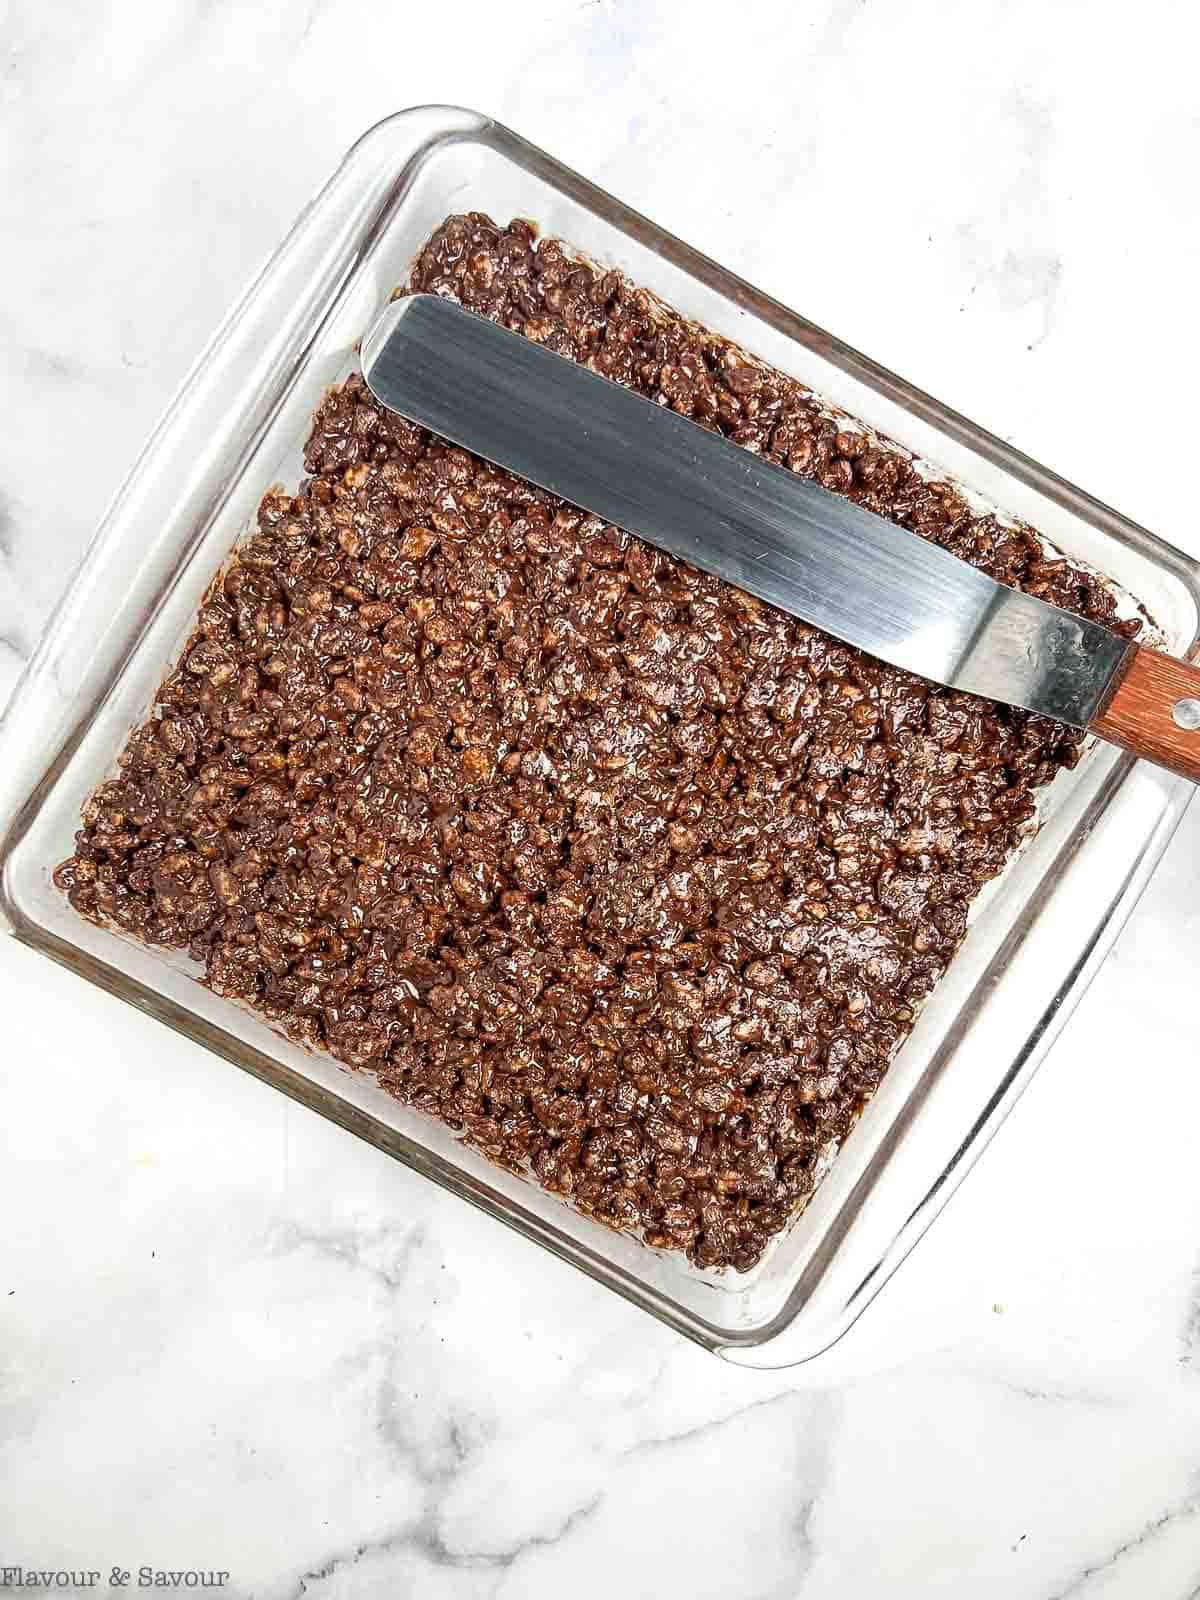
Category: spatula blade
<point>693,493</point>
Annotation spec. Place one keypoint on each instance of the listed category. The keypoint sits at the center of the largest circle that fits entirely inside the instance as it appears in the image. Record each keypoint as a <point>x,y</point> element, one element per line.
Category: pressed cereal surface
<point>630,878</point>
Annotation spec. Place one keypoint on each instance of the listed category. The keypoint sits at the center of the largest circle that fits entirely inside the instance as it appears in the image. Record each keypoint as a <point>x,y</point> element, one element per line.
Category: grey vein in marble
<point>38,362</point>
<point>1185,1508</point>
<point>14,647</point>
<point>351,1246</point>
<point>422,1539</point>
<point>1190,1336</point>
<point>8,525</point>
<point>1044,1393</point>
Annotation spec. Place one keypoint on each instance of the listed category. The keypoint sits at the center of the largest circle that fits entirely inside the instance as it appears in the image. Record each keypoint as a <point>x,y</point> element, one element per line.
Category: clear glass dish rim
<point>419,132</point>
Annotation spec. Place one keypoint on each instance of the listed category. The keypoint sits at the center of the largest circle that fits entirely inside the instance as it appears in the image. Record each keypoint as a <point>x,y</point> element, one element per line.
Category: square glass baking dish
<point>1036,937</point>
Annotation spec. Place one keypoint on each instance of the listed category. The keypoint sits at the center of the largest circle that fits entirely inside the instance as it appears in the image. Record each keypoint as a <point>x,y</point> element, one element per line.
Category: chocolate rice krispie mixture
<point>632,879</point>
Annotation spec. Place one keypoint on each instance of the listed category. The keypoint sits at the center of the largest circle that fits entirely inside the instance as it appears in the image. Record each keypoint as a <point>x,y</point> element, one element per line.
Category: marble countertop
<point>236,1340</point>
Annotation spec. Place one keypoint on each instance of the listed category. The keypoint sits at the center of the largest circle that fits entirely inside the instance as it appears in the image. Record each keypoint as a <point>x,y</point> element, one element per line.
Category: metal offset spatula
<point>781,537</point>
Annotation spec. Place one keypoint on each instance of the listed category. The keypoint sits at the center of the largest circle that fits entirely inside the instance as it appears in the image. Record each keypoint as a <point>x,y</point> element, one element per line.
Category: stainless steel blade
<point>720,507</point>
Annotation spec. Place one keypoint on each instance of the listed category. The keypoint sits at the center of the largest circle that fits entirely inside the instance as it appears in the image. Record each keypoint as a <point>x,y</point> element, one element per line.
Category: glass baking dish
<point>1036,937</point>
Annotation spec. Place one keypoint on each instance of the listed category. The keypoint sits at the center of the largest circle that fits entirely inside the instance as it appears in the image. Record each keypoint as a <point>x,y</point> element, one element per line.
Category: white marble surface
<point>233,1337</point>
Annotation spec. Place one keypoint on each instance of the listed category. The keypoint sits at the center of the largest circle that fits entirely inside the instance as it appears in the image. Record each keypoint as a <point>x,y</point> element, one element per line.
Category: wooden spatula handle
<point>1155,712</point>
